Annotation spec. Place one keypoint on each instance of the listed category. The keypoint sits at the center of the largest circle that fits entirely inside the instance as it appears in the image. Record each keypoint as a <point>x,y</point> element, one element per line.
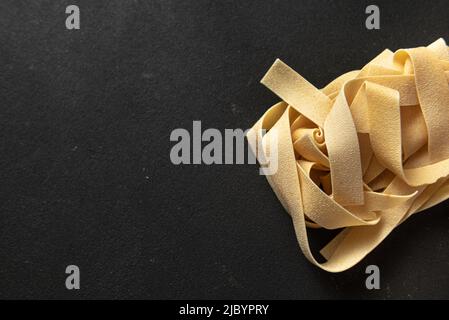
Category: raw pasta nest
<point>362,154</point>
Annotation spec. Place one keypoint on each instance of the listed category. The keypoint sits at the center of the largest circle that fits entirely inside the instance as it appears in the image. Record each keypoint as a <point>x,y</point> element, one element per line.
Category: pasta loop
<point>362,154</point>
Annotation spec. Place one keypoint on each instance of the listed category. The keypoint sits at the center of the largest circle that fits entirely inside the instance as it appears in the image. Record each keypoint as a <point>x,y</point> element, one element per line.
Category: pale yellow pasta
<point>362,154</point>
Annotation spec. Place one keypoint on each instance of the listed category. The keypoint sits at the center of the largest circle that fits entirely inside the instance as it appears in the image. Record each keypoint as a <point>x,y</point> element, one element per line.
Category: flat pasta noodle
<point>362,154</point>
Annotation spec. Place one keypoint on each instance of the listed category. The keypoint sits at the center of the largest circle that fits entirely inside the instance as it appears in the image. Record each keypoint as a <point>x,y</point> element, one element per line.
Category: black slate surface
<point>85,174</point>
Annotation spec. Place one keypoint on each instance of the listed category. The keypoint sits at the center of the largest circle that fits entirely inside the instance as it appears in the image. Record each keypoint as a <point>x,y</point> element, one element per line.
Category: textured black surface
<point>85,174</point>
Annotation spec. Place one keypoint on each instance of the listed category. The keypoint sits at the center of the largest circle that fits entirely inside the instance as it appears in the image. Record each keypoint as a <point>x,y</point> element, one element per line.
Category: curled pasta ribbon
<point>362,154</point>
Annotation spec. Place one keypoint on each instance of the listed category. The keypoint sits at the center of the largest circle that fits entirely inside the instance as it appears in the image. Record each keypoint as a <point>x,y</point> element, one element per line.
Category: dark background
<point>85,173</point>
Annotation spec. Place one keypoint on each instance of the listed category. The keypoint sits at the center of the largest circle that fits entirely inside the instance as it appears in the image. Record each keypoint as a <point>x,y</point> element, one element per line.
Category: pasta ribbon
<point>362,154</point>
